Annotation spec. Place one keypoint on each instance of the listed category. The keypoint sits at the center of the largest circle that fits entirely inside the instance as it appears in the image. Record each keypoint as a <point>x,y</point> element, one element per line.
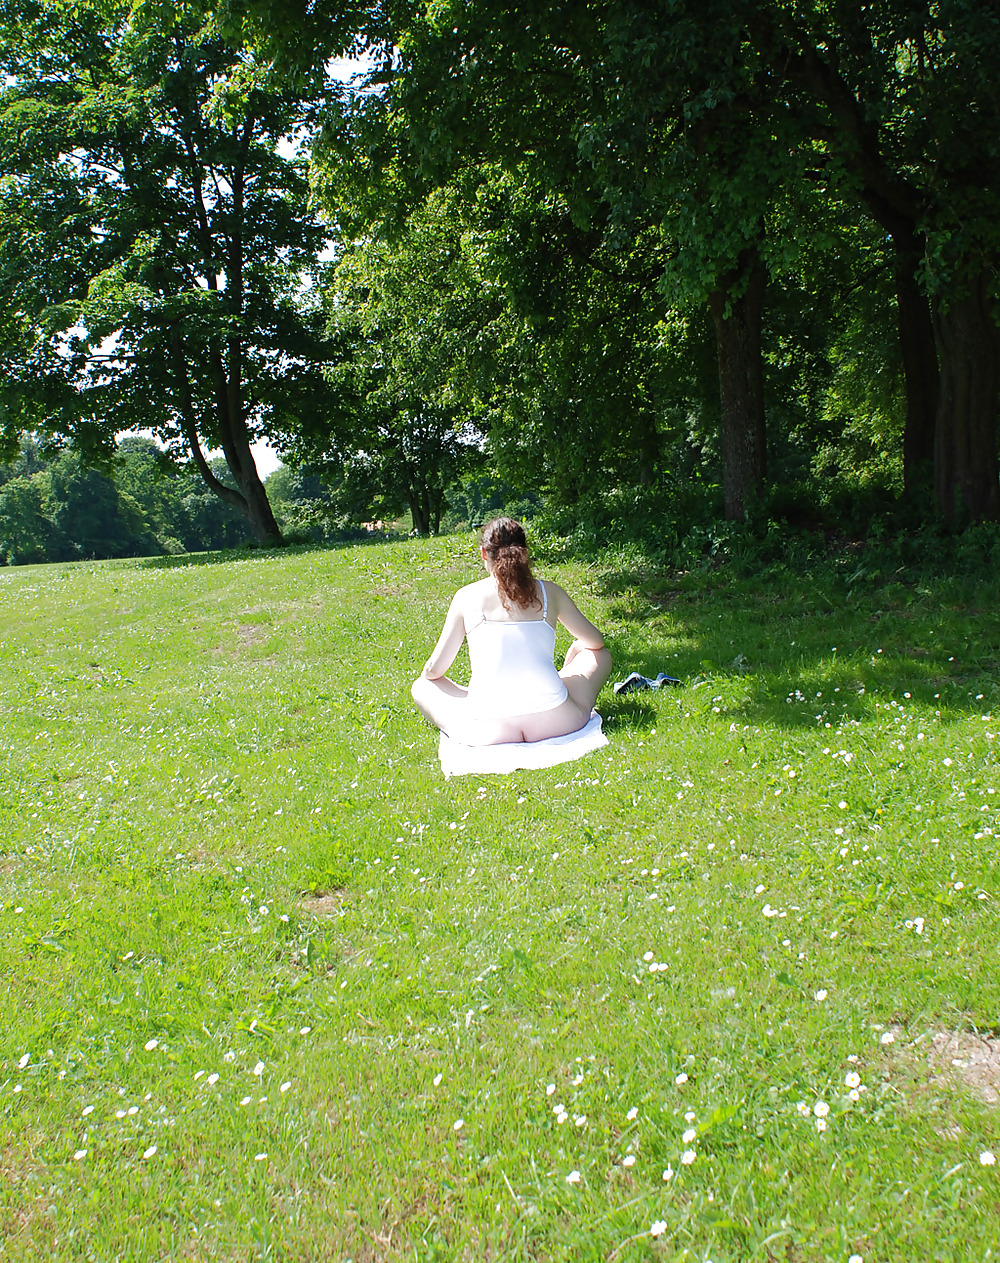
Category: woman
<point>515,692</point>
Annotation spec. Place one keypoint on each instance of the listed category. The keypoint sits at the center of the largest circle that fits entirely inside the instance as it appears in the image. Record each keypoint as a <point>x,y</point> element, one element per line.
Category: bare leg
<point>584,672</point>
<point>445,704</point>
<point>442,701</point>
<point>571,653</point>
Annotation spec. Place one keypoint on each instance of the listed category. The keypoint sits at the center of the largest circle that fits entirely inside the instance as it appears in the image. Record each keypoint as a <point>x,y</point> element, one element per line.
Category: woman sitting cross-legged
<point>515,692</point>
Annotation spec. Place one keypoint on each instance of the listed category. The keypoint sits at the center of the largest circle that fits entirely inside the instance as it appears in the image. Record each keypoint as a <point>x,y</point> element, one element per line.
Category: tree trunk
<point>898,206</point>
<point>920,363</point>
<point>647,446</point>
<point>966,472</point>
<point>737,306</point>
<point>227,374</point>
<point>251,498</point>
<point>420,523</point>
<point>259,513</point>
<point>437,499</point>
<point>235,440</point>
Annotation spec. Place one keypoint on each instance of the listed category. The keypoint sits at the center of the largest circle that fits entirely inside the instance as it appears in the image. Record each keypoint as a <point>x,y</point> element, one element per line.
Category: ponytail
<point>507,550</point>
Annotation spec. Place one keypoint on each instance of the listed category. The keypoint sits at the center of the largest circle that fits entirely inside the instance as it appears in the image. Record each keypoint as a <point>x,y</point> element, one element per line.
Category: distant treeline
<point>53,507</point>
<point>56,507</point>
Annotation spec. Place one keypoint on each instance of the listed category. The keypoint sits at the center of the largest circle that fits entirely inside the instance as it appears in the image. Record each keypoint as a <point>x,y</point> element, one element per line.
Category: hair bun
<point>505,544</point>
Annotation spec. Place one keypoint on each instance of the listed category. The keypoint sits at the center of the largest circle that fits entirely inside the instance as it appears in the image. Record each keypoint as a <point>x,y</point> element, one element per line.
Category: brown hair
<point>507,552</point>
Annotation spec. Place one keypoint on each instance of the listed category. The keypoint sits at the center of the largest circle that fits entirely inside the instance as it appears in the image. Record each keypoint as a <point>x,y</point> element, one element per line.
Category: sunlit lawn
<point>276,990</point>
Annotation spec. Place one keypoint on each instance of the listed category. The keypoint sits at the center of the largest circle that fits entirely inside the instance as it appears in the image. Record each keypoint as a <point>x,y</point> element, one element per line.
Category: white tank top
<point>513,672</point>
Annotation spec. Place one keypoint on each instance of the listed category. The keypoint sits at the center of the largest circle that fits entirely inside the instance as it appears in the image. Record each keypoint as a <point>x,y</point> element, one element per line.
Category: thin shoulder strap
<point>545,599</point>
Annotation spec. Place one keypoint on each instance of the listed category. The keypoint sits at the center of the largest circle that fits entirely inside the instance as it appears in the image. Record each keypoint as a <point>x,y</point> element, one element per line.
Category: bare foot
<point>571,653</point>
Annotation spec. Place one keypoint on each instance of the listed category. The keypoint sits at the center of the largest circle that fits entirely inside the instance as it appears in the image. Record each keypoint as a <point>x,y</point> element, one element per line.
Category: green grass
<point>223,829</point>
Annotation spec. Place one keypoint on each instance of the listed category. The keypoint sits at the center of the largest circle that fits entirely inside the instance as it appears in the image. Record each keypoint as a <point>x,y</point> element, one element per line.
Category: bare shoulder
<point>475,591</point>
<point>557,594</point>
<point>572,617</point>
<point>469,600</point>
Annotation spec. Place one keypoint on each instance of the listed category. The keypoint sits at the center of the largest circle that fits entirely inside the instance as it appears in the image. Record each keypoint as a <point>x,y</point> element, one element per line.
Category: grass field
<point>725,990</point>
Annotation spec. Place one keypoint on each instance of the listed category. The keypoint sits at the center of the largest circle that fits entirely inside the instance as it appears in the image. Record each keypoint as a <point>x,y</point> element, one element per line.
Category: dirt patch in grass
<point>252,633</point>
<point>26,1216</point>
<point>950,1059</point>
<point>326,949</point>
<point>326,905</point>
<point>967,1058</point>
<point>267,612</point>
<point>245,636</point>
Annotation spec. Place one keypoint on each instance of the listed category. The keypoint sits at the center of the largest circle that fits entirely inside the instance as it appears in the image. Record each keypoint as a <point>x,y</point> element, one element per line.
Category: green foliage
<point>530,211</point>
<point>94,517</point>
<point>833,373</point>
<point>654,521</point>
<point>307,508</point>
<point>27,532</point>
<point>155,236</point>
<point>56,508</point>
<point>477,497</point>
<point>406,317</point>
<point>204,521</point>
<point>684,136</point>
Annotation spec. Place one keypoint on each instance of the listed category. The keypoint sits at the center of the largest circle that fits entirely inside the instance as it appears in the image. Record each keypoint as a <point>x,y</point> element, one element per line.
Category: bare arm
<point>586,635</point>
<point>449,642</point>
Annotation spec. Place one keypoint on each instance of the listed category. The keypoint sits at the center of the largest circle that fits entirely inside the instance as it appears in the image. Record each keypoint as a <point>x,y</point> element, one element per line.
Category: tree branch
<point>895,203</point>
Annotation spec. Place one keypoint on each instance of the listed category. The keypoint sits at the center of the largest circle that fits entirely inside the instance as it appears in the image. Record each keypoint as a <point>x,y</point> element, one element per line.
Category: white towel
<point>461,760</point>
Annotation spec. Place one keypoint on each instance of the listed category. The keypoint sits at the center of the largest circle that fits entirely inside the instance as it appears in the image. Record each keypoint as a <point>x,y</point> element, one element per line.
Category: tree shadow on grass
<point>811,648</point>
<point>623,714</point>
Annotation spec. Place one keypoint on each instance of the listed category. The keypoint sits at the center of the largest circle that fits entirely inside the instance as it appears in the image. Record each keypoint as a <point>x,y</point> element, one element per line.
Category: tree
<point>575,382</point>
<point>94,518</point>
<point>404,316</point>
<point>646,123</point>
<point>143,472</point>
<point>909,106</point>
<point>29,460</point>
<point>303,503</point>
<point>206,521</point>
<point>155,230</point>
<point>56,507</point>
<point>27,534</point>
<point>726,124</point>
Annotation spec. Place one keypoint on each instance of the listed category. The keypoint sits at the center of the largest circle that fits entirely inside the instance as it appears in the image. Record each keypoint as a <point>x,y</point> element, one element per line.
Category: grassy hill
<point>727,989</point>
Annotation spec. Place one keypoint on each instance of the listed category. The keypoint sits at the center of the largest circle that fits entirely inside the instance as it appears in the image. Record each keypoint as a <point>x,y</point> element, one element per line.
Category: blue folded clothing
<point>637,681</point>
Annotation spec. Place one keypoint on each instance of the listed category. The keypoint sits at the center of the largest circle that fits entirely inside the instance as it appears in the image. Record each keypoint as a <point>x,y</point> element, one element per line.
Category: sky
<point>265,457</point>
